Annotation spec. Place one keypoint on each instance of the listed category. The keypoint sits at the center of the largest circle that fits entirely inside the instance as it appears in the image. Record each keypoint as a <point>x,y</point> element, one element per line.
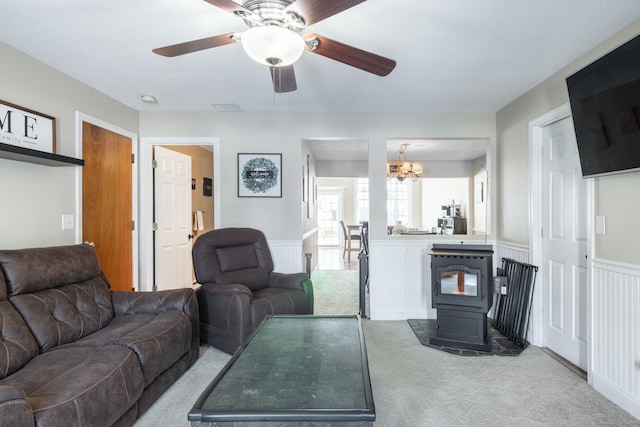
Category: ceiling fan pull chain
<point>278,76</point>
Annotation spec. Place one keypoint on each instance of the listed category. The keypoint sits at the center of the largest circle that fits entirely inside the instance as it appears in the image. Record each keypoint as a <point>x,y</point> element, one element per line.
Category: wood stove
<point>461,290</point>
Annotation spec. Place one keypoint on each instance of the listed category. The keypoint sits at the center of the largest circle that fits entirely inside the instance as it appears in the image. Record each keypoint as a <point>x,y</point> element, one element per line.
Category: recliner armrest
<point>153,302</point>
<point>288,280</point>
<point>14,408</point>
<point>298,281</point>
<point>228,289</point>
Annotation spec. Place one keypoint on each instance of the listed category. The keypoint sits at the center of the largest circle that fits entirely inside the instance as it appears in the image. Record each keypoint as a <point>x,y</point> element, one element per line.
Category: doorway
<point>212,216</point>
<point>337,278</point>
<point>339,164</point>
<point>108,201</point>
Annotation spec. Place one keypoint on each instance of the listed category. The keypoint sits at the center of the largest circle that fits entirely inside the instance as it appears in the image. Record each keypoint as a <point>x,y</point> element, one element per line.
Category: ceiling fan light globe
<point>270,44</point>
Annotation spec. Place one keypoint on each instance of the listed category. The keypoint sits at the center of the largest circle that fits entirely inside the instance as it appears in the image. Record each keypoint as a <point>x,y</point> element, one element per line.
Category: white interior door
<point>172,189</point>
<point>564,245</point>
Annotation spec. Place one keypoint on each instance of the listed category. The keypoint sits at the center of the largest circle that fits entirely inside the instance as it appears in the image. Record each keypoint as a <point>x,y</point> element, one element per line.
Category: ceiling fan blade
<point>316,10</point>
<point>228,6</point>
<point>284,79</point>
<point>196,45</point>
<point>349,55</point>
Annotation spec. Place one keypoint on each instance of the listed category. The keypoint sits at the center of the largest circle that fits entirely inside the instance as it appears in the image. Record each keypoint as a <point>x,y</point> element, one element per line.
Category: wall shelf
<point>12,152</point>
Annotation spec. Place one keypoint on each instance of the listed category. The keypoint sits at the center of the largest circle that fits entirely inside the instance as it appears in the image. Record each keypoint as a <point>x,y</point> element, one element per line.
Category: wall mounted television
<point>605,104</point>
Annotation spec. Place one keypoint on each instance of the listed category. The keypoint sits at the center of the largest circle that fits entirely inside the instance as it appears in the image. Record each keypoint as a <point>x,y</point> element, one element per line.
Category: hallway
<point>336,283</point>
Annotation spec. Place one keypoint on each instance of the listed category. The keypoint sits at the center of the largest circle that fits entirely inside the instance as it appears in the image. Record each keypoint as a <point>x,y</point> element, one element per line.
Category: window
<point>398,201</point>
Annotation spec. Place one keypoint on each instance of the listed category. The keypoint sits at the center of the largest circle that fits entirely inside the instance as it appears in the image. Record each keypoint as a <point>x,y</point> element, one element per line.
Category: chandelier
<point>402,169</point>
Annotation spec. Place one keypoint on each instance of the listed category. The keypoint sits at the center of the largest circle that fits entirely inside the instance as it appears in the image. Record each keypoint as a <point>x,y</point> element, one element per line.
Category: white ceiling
<point>452,55</point>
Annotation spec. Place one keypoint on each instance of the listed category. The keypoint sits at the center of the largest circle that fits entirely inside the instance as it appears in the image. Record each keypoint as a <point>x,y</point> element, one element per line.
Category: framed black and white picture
<point>259,175</point>
<point>27,128</point>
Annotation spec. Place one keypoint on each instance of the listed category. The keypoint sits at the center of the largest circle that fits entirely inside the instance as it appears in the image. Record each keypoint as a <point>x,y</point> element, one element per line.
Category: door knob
<point>92,244</point>
<point>190,236</point>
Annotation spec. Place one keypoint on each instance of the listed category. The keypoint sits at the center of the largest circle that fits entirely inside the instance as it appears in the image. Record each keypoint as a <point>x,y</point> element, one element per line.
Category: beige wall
<point>615,197</point>
<point>308,203</point>
<point>34,197</point>
<point>348,187</point>
<point>283,133</point>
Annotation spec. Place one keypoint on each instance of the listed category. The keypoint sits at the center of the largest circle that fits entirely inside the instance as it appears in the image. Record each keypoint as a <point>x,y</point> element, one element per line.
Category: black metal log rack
<point>513,306</point>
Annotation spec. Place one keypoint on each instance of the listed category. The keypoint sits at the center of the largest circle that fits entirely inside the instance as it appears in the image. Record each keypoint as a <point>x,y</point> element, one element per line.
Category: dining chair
<point>349,238</point>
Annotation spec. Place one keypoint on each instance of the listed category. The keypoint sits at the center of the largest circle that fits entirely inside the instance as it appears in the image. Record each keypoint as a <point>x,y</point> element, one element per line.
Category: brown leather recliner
<point>239,287</point>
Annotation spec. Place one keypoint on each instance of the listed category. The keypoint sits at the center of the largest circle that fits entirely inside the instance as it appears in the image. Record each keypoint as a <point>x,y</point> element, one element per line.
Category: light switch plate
<point>601,224</point>
<point>68,221</point>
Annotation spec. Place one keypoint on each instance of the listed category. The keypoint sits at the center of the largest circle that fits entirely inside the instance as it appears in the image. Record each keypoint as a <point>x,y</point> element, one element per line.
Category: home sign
<point>26,128</point>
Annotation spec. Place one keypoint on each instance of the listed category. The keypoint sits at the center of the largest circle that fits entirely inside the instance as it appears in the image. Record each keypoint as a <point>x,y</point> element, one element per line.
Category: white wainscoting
<point>400,280</point>
<point>510,250</point>
<point>615,333</point>
<point>400,275</point>
<point>287,256</point>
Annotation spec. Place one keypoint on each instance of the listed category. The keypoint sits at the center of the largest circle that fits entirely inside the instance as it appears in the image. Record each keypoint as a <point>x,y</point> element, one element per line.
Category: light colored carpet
<point>415,386</point>
<point>335,291</point>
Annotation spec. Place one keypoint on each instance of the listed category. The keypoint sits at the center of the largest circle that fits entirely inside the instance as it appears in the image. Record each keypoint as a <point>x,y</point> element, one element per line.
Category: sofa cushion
<point>3,287</point>
<point>158,340</point>
<point>32,270</point>
<point>15,408</point>
<point>17,345</point>
<point>160,343</point>
<point>80,386</point>
<point>66,313</point>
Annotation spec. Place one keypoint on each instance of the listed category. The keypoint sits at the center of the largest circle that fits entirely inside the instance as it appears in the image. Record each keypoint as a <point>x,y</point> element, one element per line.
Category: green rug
<point>335,291</point>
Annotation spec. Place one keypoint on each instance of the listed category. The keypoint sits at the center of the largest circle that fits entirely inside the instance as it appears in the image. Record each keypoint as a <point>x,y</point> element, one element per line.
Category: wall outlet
<point>68,221</point>
<point>601,224</point>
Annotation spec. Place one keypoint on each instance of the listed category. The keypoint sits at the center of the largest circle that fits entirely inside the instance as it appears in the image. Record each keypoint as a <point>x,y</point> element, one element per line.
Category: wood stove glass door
<point>458,282</point>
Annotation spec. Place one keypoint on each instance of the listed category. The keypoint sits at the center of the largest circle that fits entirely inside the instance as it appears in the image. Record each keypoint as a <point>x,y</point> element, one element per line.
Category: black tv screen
<point>605,104</point>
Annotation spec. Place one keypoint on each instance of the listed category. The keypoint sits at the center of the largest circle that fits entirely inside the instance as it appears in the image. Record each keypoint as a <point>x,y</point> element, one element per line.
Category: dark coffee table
<point>293,371</point>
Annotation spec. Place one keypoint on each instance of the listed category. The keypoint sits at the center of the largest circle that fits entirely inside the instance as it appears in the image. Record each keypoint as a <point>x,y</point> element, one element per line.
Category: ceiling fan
<point>275,37</point>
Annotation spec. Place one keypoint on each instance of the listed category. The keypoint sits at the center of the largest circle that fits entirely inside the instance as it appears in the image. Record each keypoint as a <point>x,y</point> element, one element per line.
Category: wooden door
<point>172,196</point>
<point>107,214</point>
<point>564,245</point>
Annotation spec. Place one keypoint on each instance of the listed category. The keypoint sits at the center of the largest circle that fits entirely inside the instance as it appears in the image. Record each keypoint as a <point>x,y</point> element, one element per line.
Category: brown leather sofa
<point>75,353</point>
<point>239,287</point>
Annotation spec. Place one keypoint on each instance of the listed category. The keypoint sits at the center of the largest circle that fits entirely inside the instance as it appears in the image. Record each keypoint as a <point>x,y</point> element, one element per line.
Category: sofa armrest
<point>126,303</point>
<point>151,302</point>
<point>225,315</point>
<point>14,408</point>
